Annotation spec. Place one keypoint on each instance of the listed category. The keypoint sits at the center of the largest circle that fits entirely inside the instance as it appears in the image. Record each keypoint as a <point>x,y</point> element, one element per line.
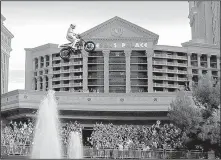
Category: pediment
<point>118,28</point>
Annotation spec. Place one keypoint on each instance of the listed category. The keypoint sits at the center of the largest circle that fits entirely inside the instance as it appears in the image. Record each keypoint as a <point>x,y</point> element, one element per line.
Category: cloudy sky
<point>38,22</point>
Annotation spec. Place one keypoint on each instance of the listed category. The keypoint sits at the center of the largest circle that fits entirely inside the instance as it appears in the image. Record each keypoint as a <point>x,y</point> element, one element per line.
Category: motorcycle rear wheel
<point>65,53</point>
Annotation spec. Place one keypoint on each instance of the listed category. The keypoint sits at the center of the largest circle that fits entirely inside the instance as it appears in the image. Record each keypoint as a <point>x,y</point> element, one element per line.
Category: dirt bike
<point>67,49</point>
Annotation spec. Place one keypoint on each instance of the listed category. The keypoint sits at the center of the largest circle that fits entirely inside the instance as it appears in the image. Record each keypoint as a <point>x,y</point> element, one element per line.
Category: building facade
<point>205,21</point>
<point>127,59</point>
<point>6,37</point>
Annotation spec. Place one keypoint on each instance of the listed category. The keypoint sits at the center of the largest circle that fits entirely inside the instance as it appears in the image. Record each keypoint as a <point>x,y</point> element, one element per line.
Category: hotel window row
<point>123,71</point>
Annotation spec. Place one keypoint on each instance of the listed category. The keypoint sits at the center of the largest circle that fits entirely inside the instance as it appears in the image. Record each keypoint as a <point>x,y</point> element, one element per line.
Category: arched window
<point>46,82</point>
<point>36,63</point>
<point>41,83</point>
<point>35,84</point>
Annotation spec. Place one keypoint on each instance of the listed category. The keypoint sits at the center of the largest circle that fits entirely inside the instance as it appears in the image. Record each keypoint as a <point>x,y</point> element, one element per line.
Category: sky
<point>37,23</point>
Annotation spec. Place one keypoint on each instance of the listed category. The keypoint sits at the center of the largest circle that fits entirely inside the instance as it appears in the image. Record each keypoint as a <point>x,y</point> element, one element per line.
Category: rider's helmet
<point>73,25</point>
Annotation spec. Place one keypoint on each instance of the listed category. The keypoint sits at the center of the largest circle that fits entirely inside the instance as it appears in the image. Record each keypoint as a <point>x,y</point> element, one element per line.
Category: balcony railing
<point>75,84</point>
<point>56,78</point>
<point>64,78</point>
<point>172,71</point>
<point>159,77</point>
<point>76,77</point>
<point>56,58</point>
<point>138,76</point>
<point>183,72</point>
<point>76,70</point>
<point>57,65</point>
<point>57,72</point>
<point>159,70</point>
<point>172,85</point>
<point>65,71</point>
<point>159,62</point>
<point>182,79</point>
<point>159,85</point>
<point>76,56</point>
<point>172,78</point>
<point>76,63</point>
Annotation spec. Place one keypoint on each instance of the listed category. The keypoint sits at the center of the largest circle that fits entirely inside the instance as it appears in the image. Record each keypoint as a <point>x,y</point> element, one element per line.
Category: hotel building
<point>128,79</point>
<point>6,37</point>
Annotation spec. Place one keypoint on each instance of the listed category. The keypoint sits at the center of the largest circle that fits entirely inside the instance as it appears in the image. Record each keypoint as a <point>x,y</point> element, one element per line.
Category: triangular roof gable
<point>143,33</point>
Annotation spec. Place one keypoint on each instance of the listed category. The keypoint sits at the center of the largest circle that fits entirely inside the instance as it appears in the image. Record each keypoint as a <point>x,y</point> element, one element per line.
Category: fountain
<point>75,146</point>
<point>47,144</point>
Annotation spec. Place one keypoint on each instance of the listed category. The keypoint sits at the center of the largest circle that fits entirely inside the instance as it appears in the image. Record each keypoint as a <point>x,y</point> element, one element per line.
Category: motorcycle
<point>67,49</point>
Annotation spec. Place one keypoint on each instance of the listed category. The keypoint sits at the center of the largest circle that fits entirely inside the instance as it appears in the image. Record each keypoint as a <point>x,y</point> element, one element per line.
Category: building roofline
<point>3,18</point>
<point>41,47</point>
<point>7,31</point>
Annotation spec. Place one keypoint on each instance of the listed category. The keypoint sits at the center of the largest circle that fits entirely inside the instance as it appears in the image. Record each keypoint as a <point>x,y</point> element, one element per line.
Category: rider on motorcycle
<point>71,36</point>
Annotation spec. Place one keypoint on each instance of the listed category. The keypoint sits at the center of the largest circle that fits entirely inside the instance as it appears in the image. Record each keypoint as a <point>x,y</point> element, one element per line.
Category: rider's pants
<point>72,39</point>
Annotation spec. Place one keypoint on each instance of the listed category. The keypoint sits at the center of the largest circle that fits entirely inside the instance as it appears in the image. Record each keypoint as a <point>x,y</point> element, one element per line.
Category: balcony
<point>76,84</point>
<point>65,78</point>
<point>76,77</point>
<point>172,63</point>
<point>182,79</point>
<point>56,58</point>
<point>138,76</point>
<point>159,85</point>
<point>96,83</point>
<point>76,56</point>
<point>65,85</point>
<point>172,85</point>
<point>56,86</point>
<point>181,57</point>
<point>182,64</point>
<point>172,78</point>
<point>182,72</point>
<point>76,70</point>
<point>76,63</point>
<point>159,63</point>
<point>57,65</point>
<point>172,71</point>
<point>159,77</point>
<point>96,61</point>
<point>57,72</point>
<point>56,78</point>
<point>159,70</point>
<point>65,71</point>
<point>159,55</point>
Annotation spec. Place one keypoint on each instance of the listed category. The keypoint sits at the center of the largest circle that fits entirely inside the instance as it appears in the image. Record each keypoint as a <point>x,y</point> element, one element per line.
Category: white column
<point>106,70</point>
<point>189,70</point>
<point>85,71</point>
<point>44,83</point>
<point>209,72</point>
<point>218,64</point>
<point>44,61</point>
<point>199,65</point>
<point>39,62</point>
<point>38,83</point>
<point>50,81</point>
<point>149,54</point>
<point>128,83</point>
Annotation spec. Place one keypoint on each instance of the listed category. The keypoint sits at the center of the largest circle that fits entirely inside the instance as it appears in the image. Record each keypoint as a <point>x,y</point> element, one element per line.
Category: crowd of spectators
<point>104,136</point>
<point>134,137</point>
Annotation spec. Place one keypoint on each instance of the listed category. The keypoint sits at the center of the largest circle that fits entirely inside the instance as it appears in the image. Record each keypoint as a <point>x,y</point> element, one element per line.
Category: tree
<point>207,95</point>
<point>201,119</point>
<point>184,114</point>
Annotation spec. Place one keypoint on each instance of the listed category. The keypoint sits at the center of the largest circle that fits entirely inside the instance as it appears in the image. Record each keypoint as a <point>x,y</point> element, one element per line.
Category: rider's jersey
<point>70,32</point>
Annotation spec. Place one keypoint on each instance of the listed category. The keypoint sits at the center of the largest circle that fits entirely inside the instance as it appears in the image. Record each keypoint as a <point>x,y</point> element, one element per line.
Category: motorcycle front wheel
<point>89,46</point>
<point>65,53</point>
